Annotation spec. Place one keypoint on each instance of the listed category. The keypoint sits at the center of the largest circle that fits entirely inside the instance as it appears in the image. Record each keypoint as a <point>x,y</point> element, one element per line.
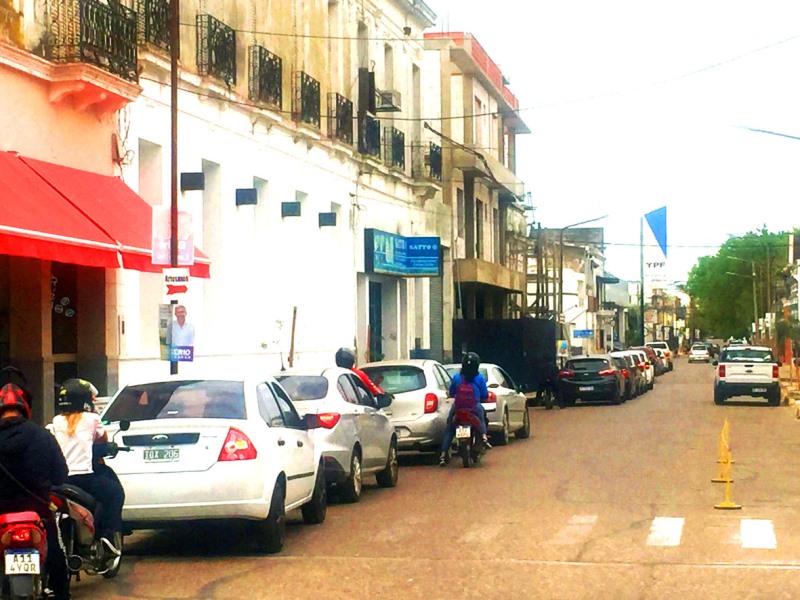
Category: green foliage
<point>724,301</point>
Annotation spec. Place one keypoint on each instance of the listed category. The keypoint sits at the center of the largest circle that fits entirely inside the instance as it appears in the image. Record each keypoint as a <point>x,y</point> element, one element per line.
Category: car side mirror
<point>384,400</point>
<point>310,421</point>
<point>124,425</point>
<point>494,385</point>
<point>714,363</point>
<point>779,363</point>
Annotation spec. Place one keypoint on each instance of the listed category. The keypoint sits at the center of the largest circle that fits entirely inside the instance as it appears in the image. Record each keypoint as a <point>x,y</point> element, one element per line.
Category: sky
<point>638,104</point>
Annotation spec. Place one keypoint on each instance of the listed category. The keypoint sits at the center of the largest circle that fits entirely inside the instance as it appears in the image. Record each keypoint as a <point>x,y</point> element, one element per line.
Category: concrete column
<point>30,336</point>
<point>469,214</point>
<point>93,327</point>
<point>512,152</point>
<point>468,103</point>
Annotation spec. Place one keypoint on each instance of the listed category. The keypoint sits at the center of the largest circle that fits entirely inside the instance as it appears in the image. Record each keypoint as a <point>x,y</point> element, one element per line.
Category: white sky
<point>619,126</point>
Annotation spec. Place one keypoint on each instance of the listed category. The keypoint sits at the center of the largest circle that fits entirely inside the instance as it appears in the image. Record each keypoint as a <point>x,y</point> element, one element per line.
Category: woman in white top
<point>77,429</point>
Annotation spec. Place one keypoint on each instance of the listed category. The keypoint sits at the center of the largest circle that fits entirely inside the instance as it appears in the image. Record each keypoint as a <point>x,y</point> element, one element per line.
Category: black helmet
<point>345,358</point>
<point>13,396</point>
<point>470,360</point>
<point>75,396</point>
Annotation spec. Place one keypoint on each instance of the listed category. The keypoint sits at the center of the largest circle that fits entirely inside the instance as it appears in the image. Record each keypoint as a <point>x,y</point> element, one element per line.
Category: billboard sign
<point>392,254</point>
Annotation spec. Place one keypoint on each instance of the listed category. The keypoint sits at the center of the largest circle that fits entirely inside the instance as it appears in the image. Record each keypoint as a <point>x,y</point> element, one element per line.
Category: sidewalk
<point>790,390</point>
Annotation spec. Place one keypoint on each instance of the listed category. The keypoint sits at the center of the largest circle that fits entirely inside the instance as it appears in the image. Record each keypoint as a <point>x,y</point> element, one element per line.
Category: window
<point>398,379</point>
<point>462,217</point>
<point>290,416</point>
<point>345,388</point>
<point>442,378</point>
<point>502,379</point>
<point>364,396</point>
<point>268,407</point>
<point>304,387</point>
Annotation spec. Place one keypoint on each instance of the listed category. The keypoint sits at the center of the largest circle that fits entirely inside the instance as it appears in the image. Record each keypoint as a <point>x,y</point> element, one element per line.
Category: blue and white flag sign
<point>658,225</point>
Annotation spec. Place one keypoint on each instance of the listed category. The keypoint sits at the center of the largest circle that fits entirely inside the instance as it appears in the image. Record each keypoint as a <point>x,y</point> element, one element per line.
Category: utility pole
<point>174,55</point>
<point>561,261</point>
<point>641,277</point>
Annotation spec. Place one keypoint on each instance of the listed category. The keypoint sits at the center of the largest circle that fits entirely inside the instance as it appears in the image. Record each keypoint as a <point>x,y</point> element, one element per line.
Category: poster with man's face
<point>177,333</point>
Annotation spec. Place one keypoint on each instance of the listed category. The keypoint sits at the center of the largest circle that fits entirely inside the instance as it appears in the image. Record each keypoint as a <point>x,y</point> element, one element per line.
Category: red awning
<point>106,204</point>
<point>37,222</point>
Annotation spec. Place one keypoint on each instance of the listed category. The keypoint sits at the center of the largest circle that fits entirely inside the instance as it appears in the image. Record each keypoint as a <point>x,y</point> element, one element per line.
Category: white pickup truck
<point>747,371</point>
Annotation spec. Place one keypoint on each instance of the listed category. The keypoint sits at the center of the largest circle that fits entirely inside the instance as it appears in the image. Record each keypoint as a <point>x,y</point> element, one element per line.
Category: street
<point>612,502</point>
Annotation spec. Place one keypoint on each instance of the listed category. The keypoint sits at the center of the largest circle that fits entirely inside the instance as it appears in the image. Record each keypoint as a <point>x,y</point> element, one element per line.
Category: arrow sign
<point>657,220</point>
<point>176,289</point>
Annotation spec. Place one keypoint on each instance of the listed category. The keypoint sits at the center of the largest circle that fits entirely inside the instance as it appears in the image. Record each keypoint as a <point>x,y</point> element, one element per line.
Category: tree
<point>724,301</point>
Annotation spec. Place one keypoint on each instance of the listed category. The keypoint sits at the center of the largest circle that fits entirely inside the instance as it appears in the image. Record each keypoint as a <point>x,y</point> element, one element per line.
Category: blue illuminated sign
<point>392,254</point>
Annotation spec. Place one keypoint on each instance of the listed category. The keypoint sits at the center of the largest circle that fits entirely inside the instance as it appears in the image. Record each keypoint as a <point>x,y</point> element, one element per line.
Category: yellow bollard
<point>725,460</point>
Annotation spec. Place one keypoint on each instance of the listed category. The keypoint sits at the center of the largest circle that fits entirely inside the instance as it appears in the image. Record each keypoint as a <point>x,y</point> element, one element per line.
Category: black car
<point>591,378</point>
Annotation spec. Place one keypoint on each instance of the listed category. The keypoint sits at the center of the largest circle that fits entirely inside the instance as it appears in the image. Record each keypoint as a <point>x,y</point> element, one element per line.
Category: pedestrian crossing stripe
<point>668,532</point>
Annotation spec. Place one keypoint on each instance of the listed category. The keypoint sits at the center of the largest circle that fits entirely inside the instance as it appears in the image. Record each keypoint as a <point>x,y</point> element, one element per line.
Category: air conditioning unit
<point>387,101</point>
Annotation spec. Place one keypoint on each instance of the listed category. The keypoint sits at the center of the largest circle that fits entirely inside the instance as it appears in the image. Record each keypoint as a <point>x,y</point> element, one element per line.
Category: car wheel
<point>314,510</point>
<point>388,477</point>
<point>273,529</point>
<point>350,490</point>
<point>718,397</point>
<point>502,437</point>
<point>774,399</point>
<point>524,432</point>
<point>616,396</point>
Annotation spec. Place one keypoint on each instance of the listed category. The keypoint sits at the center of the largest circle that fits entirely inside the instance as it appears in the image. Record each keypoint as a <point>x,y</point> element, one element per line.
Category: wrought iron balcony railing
<point>153,18</point>
<point>216,49</point>
<point>340,118</point>
<point>369,136</point>
<point>395,152</point>
<point>266,77</point>
<point>306,102</point>
<point>92,32</point>
<point>426,161</point>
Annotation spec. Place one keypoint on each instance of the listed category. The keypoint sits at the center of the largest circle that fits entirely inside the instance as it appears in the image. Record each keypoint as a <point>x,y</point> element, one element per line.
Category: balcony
<point>153,16</point>
<point>340,118</point>
<point>369,136</point>
<point>216,49</point>
<point>305,99</point>
<point>479,271</point>
<point>474,159</point>
<point>266,77</point>
<point>426,161</point>
<point>88,31</point>
<point>395,152</point>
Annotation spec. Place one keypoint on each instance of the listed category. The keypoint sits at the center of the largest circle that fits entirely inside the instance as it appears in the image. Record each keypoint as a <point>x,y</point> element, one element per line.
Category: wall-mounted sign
<point>392,254</point>
<point>162,235</point>
<point>583,333</point>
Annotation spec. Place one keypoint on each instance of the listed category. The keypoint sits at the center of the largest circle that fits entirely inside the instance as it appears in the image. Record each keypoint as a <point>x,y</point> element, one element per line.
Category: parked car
<point>508,413</point>
<point>635,378</point>
<point>222,448</point>
<point>661,362</point>
<point>356,437</point>
<point>699,352</point>
<point>650,362</point>
<point>420,407</point>
<point>587,378</point>
<point>667,352</point>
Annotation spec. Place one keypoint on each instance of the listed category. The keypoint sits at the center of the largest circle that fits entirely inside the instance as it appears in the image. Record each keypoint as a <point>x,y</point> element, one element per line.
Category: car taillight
<point>431,403</point>
<point>566,373</point>
<point>667,353</point>
<point>642,365</point>
<point>722,370</point>
<point>237,446</point>
<point>492,397</point>
<point>625,373</point>
<point>21,535</point>
<point>328,420</point>
<point>606,372</point>
<point>775,372</point>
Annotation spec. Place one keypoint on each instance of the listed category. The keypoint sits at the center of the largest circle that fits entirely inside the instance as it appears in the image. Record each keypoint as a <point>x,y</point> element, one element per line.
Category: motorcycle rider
<point>469,375</point>
<point>31,463</point>
<point>77,428</point>
<point>346,359</point>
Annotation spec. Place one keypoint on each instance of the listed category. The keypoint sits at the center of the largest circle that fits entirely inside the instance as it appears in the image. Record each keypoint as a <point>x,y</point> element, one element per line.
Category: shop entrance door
<point>375,321</point>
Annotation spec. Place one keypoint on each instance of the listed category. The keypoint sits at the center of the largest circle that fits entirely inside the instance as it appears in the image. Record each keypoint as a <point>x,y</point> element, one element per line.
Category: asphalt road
<point>602,502</point>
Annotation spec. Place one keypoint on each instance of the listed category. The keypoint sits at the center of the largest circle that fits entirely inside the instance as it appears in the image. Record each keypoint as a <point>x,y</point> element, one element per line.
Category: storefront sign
<point>583,333</point>
<point>392,254</point>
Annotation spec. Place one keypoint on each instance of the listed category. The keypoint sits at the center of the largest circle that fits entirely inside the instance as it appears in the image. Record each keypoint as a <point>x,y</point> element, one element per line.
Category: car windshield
<point>455,370</point>
<point>191,399</point>
<point>587,364</point>
<point>701,347</point>
<point>397,379</point>
<point>749,355</point>
<point>304,387</point>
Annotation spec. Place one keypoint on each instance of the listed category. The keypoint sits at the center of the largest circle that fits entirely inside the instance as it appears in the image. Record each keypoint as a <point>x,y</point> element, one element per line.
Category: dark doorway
<point>375,321</point>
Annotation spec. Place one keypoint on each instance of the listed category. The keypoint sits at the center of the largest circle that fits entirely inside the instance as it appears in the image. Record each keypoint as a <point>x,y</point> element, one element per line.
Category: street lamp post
<point>561,261</point>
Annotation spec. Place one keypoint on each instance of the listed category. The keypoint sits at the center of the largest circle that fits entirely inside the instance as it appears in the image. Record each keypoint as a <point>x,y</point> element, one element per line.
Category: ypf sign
<point>176,283</point>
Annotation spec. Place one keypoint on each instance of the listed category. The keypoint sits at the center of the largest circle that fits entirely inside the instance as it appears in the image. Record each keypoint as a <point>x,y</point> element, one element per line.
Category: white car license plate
<point>462,432</point>
<point>586,388</point>
<point>22,563</point>
<point>759,390</point>
<point>162,454</point>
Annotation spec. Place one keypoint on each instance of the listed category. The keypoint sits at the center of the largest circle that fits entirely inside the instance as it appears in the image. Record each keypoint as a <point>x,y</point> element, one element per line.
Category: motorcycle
<point>23,542</point>
<point>468,439</point>
<point>84,549</point>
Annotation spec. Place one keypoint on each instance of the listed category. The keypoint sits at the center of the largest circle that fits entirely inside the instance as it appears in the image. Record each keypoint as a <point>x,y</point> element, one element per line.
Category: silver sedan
<point>507,408</point>
<point>356,437</point>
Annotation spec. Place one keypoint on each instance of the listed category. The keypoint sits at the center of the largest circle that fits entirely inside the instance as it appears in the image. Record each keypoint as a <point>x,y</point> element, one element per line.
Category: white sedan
<point>356,437</point>
<point>216,449</point>
<point>507,409</point>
